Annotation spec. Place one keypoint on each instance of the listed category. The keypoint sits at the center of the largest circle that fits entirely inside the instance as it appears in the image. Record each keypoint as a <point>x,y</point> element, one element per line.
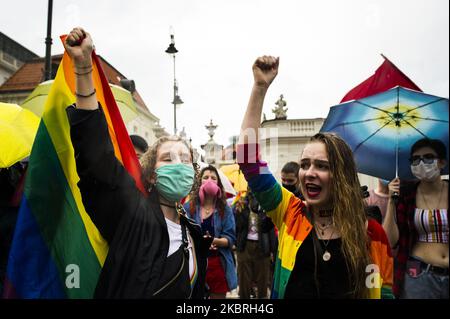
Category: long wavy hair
<point>194,195</point>
<point>348,209</point>
<point>148,160</point>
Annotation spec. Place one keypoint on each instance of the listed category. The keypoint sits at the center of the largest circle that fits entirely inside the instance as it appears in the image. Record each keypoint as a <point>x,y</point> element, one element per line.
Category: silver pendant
<point>326,256</point>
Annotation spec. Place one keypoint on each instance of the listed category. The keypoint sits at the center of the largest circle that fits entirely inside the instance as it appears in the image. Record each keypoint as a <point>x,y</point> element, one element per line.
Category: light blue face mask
<point>174,181</point>
<point>385,182</point>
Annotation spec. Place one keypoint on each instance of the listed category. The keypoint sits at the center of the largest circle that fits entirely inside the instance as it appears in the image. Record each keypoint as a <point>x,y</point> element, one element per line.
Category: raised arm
<point>390,222</point>
<point>79,46</point>
<point>265,69</point>
<point>273,198</point>
<point>108,191</point>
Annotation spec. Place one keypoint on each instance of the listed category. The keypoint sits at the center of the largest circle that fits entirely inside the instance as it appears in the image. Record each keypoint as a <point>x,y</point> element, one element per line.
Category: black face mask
<point>253,203</point>
<point>292,188</point>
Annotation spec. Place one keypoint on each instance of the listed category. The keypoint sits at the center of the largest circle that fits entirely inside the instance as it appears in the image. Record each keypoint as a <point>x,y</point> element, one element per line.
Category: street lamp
<point>48,43</point>
<point>176,98</point>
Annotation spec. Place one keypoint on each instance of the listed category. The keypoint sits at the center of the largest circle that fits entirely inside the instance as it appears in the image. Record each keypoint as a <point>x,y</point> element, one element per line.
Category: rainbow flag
<point>57,252</point>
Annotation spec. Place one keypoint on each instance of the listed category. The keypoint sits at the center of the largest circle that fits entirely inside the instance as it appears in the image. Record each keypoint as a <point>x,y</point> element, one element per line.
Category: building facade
<point>30,74</point>
<point>282,141</point>
<point>12,56</point>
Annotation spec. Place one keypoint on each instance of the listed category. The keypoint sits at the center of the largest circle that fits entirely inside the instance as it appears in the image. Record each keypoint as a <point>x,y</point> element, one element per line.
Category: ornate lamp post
<point>176,98</point>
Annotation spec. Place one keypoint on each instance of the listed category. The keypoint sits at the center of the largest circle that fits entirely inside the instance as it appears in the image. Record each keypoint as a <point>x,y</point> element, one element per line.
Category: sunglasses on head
<point>426,158</point>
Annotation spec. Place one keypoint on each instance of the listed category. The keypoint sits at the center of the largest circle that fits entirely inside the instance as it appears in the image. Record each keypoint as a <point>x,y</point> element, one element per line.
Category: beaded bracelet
<point>88,95</point>
<point>84,66</point>
<point>84,73</point>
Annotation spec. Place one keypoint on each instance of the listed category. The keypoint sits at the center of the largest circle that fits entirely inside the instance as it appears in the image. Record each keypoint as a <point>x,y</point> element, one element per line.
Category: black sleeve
<point>108,191</point>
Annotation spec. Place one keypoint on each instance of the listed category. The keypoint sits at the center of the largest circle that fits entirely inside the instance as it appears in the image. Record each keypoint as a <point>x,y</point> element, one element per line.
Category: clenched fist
<point>79,46</point>
<point>265,69</point>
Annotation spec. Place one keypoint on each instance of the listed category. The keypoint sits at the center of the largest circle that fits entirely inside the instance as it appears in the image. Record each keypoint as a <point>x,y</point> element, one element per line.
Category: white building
<point>12,56</point>
<point>282,140</point>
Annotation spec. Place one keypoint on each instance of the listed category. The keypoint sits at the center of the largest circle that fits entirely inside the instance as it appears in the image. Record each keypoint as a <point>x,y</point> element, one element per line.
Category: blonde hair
<point>348,209</point>
<point>148,160</point>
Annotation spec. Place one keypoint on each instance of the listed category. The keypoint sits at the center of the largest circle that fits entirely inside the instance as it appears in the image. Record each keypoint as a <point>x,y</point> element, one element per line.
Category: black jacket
<point>132,224</point>
<point>266,233</point>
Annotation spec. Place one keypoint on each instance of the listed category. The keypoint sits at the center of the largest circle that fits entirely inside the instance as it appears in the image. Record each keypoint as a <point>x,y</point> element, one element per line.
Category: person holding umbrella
<point>327,247</point>
<point>417,222</point>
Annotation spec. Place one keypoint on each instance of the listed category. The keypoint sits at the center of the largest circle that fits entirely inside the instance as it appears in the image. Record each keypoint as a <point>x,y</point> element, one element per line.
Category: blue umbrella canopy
<point>381,129</point>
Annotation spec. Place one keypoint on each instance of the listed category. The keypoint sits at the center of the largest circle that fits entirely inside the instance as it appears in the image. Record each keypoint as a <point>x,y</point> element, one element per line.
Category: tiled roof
<point>28,76</point>
<point>32,73</point>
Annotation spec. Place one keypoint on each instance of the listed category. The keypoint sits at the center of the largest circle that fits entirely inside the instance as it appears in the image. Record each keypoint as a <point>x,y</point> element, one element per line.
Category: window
<point>7,58</point>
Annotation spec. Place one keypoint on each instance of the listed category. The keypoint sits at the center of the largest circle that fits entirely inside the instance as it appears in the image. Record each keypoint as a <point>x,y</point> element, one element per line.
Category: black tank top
<point>332,275</point>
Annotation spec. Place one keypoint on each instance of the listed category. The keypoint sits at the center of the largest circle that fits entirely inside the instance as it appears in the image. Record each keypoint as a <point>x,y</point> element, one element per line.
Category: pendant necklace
<point>327,255</point>
<point>323,227</point>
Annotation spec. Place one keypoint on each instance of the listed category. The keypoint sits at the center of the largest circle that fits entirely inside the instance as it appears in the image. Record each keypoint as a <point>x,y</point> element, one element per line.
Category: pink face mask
<point>209,188</point>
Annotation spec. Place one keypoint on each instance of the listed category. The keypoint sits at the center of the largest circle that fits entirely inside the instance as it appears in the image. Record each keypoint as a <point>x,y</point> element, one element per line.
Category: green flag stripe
<point>52,203</point>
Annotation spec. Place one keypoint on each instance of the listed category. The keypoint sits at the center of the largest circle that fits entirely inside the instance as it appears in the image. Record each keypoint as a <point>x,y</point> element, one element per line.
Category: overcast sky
<point>326,48</point>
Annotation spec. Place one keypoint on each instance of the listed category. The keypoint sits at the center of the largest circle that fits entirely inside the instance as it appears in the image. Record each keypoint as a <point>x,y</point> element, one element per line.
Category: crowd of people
<point>313,234</point>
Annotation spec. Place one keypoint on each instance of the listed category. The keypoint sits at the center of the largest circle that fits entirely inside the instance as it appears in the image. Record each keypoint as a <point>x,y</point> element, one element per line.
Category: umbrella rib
<point>428,119</point>
<point>37,95</point>
<point>370,136</point>
<point>415,128</point>
<point>426,104</point>
<point>373,107</point>
<point>358,122</point>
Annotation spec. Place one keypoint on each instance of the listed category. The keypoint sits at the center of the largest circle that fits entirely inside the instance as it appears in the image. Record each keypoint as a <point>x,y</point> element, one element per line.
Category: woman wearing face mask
<point>154,250</point>
<point>208,207</point>
<point>327,247</point>
<point>418,225</point>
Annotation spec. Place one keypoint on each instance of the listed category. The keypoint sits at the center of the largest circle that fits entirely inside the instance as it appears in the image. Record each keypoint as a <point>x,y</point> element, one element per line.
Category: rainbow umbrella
<point>381,129</point>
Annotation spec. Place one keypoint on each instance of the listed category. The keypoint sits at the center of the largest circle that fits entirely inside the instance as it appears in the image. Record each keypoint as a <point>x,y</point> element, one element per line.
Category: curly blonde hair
<point>148,160</point>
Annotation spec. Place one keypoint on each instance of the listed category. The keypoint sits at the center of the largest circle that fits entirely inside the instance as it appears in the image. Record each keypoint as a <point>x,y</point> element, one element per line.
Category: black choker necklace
<point>325,212</point>
<point>166,205</point>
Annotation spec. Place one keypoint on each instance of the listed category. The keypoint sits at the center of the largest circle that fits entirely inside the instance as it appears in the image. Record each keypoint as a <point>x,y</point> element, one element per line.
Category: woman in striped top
<point>418,225</point>
<point>327,247</point>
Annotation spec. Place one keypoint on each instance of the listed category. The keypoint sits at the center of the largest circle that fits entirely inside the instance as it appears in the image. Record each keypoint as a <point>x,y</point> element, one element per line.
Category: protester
<point>208,206</point>
<point>374,212</point>
<point>418,224</point>
<point>379,196</point>
<point>155,251</point>
<point>327,247</point>
<point>11,191</point>
<point>289,178</point>
<point>139,144</point>
<point>255,246</point>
